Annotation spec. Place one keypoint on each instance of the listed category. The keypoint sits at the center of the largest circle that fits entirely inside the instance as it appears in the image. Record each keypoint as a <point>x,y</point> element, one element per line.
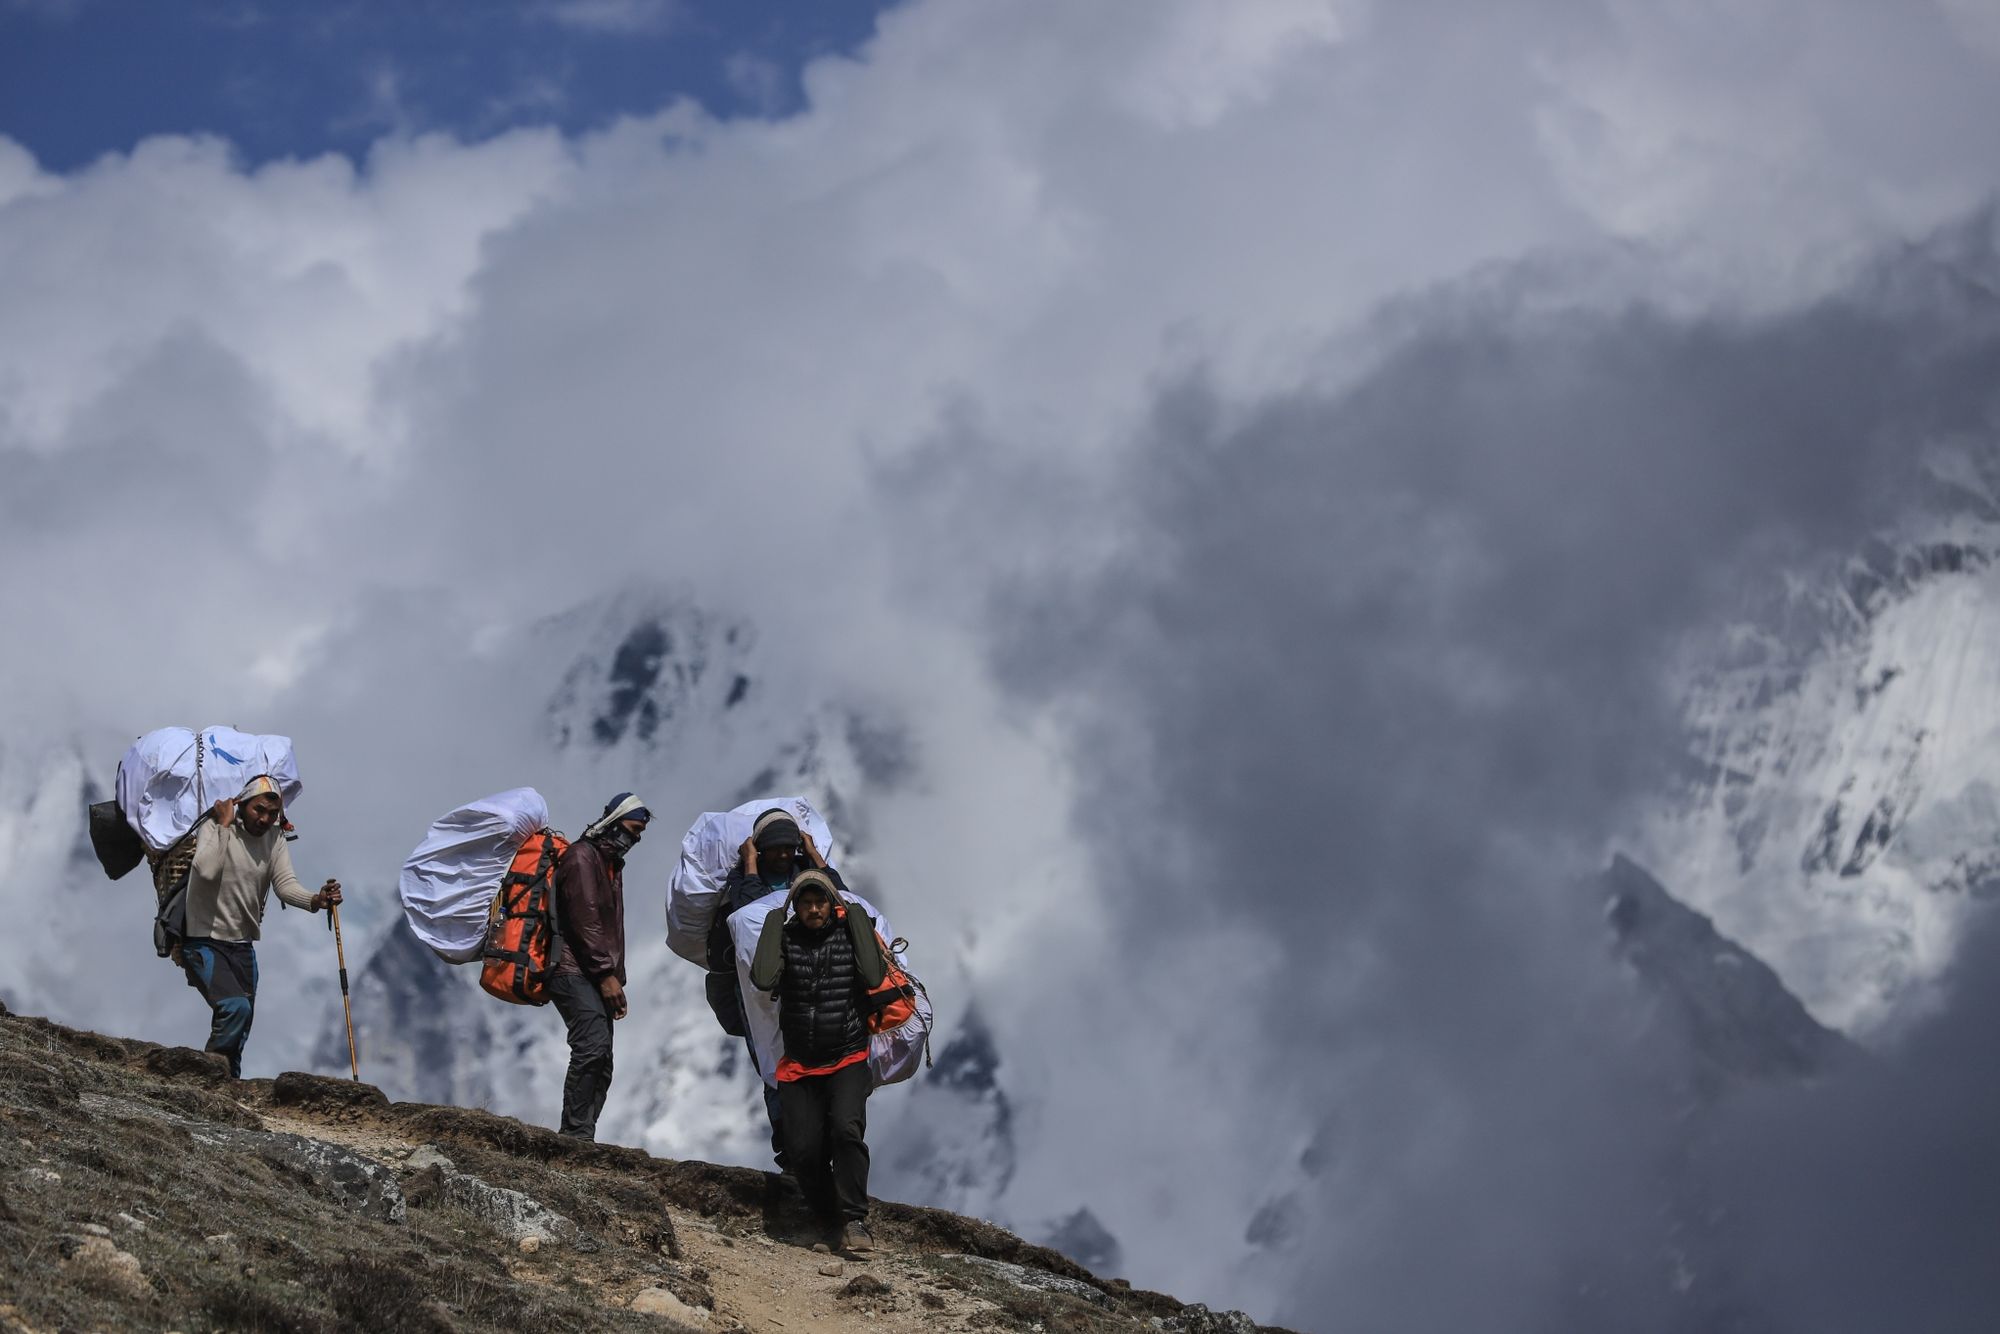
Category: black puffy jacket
<point>820,996</point>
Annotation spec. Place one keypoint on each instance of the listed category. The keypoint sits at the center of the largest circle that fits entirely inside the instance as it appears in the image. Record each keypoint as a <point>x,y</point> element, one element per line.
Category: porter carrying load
<point>167,785</point>
<point>900,1018</point>
<point>709,854</point>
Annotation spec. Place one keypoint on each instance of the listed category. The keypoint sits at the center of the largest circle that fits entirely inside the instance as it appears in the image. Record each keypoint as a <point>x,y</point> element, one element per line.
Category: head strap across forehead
<point>260,786</point>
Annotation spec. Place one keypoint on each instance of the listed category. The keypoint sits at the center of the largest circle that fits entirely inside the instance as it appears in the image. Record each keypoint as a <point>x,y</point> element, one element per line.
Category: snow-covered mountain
<point>1845,814</point>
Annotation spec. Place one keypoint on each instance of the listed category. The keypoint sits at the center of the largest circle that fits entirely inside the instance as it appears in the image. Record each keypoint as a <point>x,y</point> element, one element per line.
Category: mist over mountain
<point>1488,566</point>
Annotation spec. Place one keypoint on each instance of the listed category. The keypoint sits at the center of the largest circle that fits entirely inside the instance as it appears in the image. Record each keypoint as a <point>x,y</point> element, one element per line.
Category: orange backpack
<point>894,1003</point>
<point>521,941</point>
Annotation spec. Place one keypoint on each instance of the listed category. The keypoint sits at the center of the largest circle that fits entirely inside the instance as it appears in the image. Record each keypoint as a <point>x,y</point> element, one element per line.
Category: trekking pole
<point>346,1009</point>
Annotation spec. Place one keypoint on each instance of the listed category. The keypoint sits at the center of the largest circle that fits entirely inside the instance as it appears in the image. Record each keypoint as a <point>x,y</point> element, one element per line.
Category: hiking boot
<point>855,1239</point>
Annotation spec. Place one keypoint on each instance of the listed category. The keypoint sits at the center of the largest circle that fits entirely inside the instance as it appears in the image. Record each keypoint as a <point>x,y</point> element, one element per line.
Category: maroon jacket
<point>590,912</point>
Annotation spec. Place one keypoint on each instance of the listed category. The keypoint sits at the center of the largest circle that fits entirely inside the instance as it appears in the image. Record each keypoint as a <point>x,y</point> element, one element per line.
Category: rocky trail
<point>143,1189</point>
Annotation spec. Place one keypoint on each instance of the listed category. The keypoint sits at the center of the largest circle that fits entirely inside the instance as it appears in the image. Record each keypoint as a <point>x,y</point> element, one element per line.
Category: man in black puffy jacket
<point>821,964</point>
<point>776,850</point>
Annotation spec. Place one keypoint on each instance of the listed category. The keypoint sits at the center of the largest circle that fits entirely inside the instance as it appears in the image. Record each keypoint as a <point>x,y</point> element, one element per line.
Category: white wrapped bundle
<point>895,1055</point>
<point>169,777</point>
<point>448,883</point>
<point>708,854</point>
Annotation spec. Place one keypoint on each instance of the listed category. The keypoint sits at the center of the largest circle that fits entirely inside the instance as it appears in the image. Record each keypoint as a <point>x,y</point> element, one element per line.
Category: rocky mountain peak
<point>1732,1009</point>
<point>647,666</point>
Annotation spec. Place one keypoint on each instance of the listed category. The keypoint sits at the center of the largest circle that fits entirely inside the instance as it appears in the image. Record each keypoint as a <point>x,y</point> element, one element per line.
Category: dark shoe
<point>855,1239</point>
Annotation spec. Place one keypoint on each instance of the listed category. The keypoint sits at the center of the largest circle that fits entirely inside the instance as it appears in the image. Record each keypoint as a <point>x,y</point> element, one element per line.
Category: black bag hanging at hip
<point>117,847</point>
<point>727,1003</point>
<point>170,924</point>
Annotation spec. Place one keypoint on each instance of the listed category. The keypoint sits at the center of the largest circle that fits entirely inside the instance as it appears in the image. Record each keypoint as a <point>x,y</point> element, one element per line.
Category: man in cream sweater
<point>239,858</point>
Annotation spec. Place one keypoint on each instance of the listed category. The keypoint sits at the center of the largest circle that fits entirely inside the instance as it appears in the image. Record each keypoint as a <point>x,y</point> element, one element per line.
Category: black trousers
<point>825,1120</point>
<point>588,1016</point>
<point>772,1111</point>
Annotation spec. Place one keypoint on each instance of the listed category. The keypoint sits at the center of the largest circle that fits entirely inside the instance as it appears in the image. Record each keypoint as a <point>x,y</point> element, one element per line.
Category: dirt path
<point>768,1285</point>
<point>759,1284</point>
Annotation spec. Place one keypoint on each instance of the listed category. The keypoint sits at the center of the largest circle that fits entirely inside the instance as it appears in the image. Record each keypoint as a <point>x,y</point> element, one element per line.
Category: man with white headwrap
<point>239,858</point>
<point>587,983</point>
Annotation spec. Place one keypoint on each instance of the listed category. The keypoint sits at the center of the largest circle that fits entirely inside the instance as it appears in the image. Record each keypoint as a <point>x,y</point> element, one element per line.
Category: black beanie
<point>774,830</point>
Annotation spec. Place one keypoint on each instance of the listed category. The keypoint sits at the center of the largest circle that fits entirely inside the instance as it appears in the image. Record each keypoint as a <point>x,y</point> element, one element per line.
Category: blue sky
<point>279,78</point>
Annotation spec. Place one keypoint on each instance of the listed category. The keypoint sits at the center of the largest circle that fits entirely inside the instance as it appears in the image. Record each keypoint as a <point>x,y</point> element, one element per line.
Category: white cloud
<point>1780,133</point>
<point>20,176</point>
<point>758,81</point>
<point>308,273</point>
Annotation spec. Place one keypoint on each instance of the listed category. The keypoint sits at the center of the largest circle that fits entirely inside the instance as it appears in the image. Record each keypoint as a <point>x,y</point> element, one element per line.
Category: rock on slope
<point>141,1188</point>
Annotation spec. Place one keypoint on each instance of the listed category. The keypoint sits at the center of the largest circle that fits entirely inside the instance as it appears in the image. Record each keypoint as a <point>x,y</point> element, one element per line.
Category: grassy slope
<point>127,1126</point>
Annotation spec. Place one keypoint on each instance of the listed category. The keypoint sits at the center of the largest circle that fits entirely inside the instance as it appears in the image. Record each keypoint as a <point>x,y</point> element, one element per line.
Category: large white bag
<point>448,883</point>
<point>892,1056</point>
<point>708,854</point>
<point>169,777</point>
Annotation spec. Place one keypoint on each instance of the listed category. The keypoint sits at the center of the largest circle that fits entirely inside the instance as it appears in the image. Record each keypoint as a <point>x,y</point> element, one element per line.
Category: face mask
<point>619,840</point>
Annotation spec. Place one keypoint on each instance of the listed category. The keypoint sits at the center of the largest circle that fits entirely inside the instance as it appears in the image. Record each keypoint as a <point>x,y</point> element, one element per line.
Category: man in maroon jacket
<point>588,982</point>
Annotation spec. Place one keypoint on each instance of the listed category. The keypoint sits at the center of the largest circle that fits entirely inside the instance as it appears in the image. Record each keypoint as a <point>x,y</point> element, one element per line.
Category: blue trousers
<point>225,973</point>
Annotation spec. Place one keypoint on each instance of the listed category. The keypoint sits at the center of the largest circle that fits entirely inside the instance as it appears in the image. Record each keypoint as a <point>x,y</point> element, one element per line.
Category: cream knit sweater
<point>231,877</point>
